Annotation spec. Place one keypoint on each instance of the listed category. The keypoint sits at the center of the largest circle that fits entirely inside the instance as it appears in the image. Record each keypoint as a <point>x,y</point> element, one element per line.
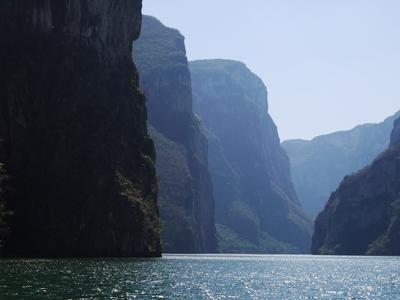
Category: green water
<point>203,277</point>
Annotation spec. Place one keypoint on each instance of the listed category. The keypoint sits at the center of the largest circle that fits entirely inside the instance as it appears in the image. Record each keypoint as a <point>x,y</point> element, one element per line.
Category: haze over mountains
<point>257,210</point>
<point>99,158</point>
<point>329,65</point>
<point>318,165</point>
<point>363,215</point>
<point>185,197</point>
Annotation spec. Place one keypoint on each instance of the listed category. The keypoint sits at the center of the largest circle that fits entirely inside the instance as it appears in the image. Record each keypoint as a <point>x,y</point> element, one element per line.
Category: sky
<point>328,65</point>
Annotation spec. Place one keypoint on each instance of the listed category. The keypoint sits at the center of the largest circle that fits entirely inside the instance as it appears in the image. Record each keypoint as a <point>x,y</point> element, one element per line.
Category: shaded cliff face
<point>256,205</point>
<point>73,124</point>
<point>363,215</point>
<point>319,165</point>
<point>395,137</point>
<point>4,212</point>
<point>185,198</point>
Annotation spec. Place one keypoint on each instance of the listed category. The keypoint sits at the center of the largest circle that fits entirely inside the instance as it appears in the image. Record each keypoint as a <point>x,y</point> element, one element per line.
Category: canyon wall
<point>257,210</point>
<point>363,215</point>
<point>395,137</point>
<point>185,198</point>
<point>73,126</point>
<point>320,164</point>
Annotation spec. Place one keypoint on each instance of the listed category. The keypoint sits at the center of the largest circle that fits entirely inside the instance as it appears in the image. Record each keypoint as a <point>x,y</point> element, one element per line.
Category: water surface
<point>203,277</point>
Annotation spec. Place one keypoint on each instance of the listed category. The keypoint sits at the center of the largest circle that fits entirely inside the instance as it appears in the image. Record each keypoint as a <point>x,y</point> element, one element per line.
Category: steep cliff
<point>4,212</point>
<point>73,123</point>
<point>185,198</point>
<point>319,165</point>
<point>395,137</point>
<point>363,215</point>
<point>256,205</point>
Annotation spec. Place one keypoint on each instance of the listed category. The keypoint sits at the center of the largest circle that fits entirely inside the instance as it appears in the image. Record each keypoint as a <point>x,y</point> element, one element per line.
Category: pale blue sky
<point>328,64</point>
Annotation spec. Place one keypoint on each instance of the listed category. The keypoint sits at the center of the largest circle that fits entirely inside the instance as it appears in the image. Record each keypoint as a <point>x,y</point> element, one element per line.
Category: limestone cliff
<point>185,198</point>
<point>363,215</point>
<point>395,138</point>
<point>320,164</point>
<point>73,125</point>
<point>4,212</point>
<point>256,205</point>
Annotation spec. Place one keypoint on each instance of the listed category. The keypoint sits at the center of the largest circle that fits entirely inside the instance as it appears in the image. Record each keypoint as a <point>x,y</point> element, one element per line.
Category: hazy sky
<point>328,64</point>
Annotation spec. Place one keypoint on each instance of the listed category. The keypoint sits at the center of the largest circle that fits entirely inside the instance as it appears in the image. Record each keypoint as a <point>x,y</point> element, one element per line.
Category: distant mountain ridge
<point>395,137</point>
<point>318,165</point>
<point>257,210</point>
<point>363,215</point>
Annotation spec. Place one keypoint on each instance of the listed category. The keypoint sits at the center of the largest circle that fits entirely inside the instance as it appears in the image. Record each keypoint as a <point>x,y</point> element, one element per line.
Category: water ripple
<point>204,277</point>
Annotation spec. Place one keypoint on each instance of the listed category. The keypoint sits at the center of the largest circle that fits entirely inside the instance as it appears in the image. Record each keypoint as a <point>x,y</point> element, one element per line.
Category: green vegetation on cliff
<point>395,137</point>
<point>318,165</point>
<point>256,206</point>
<point>185,197</point>
<point>73,123</point>
<point>4,212</point>
<point>362,215</point>
<point>389,242</point>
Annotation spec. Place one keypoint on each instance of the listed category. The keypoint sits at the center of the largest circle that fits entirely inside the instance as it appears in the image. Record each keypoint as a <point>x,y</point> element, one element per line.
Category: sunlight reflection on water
<point>204,277</point>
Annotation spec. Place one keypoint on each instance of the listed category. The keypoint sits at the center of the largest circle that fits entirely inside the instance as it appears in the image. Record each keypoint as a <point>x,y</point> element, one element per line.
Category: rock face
<point>363,215</point>
<point>73,124</point>
<point>185,198</point>
<point>256,205</point>
<point>395,138</point>
<point>4,213</point>
<point>319,165</point>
